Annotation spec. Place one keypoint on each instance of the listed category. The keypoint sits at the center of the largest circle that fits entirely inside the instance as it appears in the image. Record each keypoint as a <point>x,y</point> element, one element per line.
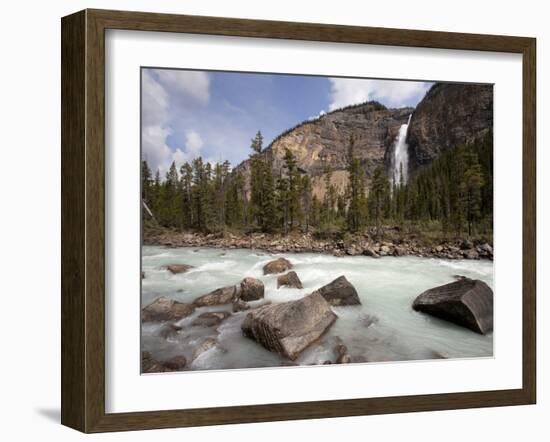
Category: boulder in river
<point>178,268</point>
<point>278,265</point>
<point>466,302</point>
<point>290,280</point>
<point>339,292</point>
<point>149,364</point>
<point>251,289</point>
<point>342,355</point>
<point>177,363</point>
<point>239,305</point>
<point>211,319</point>
<point>224,295</point>
<point>290,327</point>
<point>204,346</point>
<point>166,309</point>
<point>170,330</point>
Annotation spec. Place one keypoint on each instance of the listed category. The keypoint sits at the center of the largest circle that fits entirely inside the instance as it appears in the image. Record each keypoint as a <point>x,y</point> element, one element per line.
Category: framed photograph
<point>268,220</point>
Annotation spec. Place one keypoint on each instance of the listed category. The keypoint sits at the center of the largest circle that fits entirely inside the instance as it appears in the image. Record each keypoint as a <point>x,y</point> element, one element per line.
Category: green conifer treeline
<point>453,195</point>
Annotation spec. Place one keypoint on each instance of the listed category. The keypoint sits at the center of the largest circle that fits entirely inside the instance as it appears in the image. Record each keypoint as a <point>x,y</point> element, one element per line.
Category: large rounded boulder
<point>278,265</point>
<point>251,289</point>
<point>290,327</point>
<point>467,302</point>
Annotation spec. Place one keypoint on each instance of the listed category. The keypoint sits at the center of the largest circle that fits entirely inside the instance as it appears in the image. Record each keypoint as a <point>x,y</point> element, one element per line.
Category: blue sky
<point>186,114</point>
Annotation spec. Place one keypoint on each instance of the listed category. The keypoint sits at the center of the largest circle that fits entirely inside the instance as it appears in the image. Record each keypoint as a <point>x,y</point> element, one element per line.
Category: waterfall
<point>401,154</point>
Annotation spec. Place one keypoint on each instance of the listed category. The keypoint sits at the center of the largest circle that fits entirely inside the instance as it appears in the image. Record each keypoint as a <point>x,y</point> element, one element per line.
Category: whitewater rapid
<point>383,328</point>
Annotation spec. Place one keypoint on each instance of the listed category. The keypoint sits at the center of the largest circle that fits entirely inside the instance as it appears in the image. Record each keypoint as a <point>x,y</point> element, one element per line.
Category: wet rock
<point>290,327</point>
<point>434,354</point>
<point>344,359</point>
<point>251,289</point>
<point>342,355</point>
<point>178,268</point>
<point>466,244</point>
<point>239,305</point>
<point>399,251</point>
<point>467,302</point>
<point>486,248</point>
<point>224,295</point>
<point>339,292</point>
<point>459,277</point>
<point>368,320</point>
<point>149,364</point>
<point>279,265</point>
<point>370,251</point>
<point>165,309</point>
<point>204,346</point>
<point>210,319</point>
<point>177,363</point>
<point>353,250</point>
<point>470,254</point>
<point>290,280</point>
<point>170,330</point>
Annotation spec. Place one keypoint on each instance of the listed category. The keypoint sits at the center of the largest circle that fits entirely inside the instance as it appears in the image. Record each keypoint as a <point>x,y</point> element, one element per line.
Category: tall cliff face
<point>449,115</point>
<point>326,140</point>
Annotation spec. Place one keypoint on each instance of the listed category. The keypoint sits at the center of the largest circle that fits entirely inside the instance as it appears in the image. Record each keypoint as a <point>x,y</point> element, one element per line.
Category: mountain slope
<point>449,115</point>
<point>326,141</point>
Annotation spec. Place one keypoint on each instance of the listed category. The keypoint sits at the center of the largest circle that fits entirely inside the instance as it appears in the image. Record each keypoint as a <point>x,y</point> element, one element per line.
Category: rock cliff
<point>449,115</point>
<point>326,140</point>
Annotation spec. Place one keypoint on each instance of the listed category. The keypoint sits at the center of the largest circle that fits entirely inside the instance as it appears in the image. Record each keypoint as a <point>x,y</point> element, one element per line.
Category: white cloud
<point>156,128</point>
<point>154,100</point>
<point>190,84</point>
<point>392,93</point>
<point>193,142</point>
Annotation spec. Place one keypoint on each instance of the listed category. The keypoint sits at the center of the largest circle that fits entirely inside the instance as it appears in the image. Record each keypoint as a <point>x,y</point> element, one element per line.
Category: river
<point>383,328</point>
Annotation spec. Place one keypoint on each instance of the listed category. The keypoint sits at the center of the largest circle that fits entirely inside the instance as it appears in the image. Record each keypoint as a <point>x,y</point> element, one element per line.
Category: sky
<point>186,114</point>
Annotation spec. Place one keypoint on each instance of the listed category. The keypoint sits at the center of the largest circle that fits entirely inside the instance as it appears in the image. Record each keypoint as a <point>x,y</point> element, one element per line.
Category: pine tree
<point>282,202</point>
<point>186,172</point>
<point>293,197</point>
<point>306,201</point>
<point>471,190</point>
<point>146,182</point>
<point>378,195</point>
<point>268,209</point>
<point>356,192</point>
<point>329,200</point>
<point>256,180</point>
<point>235,201</point>
<point>316,212</point>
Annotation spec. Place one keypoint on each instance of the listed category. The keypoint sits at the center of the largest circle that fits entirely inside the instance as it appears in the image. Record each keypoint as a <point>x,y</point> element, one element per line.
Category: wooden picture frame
<point>83,219</point>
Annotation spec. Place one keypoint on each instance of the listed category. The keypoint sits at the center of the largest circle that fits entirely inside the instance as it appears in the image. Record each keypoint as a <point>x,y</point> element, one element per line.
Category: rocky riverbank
<point>307,243</point>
